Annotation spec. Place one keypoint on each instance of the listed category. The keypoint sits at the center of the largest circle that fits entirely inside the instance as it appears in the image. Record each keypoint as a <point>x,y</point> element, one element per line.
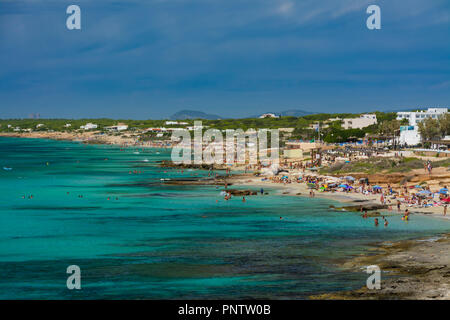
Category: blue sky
<point>150,58</point>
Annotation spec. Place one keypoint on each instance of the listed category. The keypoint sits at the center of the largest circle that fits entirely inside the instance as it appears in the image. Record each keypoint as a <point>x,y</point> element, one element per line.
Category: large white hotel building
<point>410,135</point>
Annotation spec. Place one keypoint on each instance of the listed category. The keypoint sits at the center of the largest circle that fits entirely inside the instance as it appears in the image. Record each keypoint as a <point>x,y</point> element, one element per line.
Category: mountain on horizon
<point>287,113</point>
<point>193,114</point>
<point>295,113</point>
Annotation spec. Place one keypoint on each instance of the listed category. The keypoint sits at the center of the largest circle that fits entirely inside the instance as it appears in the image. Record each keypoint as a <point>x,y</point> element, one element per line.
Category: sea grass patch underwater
<point>134,236</point>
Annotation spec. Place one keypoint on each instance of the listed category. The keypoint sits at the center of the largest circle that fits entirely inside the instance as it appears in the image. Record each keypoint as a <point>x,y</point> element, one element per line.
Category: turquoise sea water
<point>168,242</point>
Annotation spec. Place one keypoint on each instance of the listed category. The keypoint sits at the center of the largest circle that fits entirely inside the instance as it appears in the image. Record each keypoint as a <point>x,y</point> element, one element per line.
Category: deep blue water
<point>155,241</point>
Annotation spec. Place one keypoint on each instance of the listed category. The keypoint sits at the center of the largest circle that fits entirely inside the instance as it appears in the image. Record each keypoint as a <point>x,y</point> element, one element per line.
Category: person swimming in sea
<point>386,223</point>
<point>376,222</point>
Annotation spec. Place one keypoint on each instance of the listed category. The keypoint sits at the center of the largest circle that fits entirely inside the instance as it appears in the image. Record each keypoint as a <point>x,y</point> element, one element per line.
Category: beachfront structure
<point>117,128</point>
<point>268,115</point>
<point>299,150</point>
<point>415,117</point>
<point>409,135</point>
<point>89,126</point>
<point>169,123</point>
<point>363,121</point>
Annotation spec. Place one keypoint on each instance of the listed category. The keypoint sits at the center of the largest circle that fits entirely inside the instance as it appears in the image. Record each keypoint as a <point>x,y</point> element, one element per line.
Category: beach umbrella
<point>418,187</point>
<point>285,177</point>
<point>377,187</point>
<point>332,185</point>
<point>424,192</point>
<point>349,178</point>
<point>443,191</point>
<point>342,186</point>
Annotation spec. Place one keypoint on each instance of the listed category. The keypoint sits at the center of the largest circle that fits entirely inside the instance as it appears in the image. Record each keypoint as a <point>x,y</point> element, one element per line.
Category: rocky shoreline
<point>417,270</point>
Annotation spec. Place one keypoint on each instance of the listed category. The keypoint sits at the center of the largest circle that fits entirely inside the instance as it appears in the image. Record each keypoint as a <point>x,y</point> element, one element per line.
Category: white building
<point>416,116</point>
<point>89,126</point>
<point>117,128</point>
<point>363,121</point>
<point>168,123</point>
<point>268,115</point>
<point>409,135</point>
<point>67,125</point>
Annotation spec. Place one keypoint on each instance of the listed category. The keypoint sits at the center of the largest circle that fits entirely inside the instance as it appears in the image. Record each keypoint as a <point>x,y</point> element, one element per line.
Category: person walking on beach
<point>398,205</point>
<point>445,210</point>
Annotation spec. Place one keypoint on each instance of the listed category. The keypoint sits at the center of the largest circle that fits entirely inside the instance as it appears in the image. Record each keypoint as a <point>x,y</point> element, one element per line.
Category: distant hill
<point>287,113</point>
<point>295,113</point>
<point>192,114</point>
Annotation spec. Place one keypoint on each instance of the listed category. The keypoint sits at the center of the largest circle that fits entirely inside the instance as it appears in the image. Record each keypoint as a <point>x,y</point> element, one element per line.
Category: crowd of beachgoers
<point>412,196</point>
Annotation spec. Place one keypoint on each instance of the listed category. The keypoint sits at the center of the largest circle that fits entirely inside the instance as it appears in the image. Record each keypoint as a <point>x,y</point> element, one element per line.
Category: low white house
<point>268,115</point>
<point>168,123</point>
<point>67,125</point>
<point>89,126</point>
<point>119,127</point>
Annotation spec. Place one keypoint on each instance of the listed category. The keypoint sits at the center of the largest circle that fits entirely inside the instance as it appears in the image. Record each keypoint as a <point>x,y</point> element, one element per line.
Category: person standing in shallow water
<point>445,210</point>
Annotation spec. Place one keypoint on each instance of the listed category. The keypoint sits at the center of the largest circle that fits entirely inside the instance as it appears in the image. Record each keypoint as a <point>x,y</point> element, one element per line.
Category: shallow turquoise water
<point>157,241</point>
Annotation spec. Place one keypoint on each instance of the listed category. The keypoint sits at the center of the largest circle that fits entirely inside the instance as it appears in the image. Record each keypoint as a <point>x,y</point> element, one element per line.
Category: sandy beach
<point>85,137</point>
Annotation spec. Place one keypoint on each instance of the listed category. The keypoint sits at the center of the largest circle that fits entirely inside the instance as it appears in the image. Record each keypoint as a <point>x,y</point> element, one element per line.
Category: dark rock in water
<point>201,182</point>
<point>170,164</point>
<point>286,192</point>
<point>368,207</point>
<point>299,194</point>
<point>373,214</point>
<point>360,200</point>
<point>236,192</point>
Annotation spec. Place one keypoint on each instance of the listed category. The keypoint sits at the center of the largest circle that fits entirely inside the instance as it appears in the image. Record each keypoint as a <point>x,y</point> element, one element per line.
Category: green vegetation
<point>431,129</point>
<point>330,131</point>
